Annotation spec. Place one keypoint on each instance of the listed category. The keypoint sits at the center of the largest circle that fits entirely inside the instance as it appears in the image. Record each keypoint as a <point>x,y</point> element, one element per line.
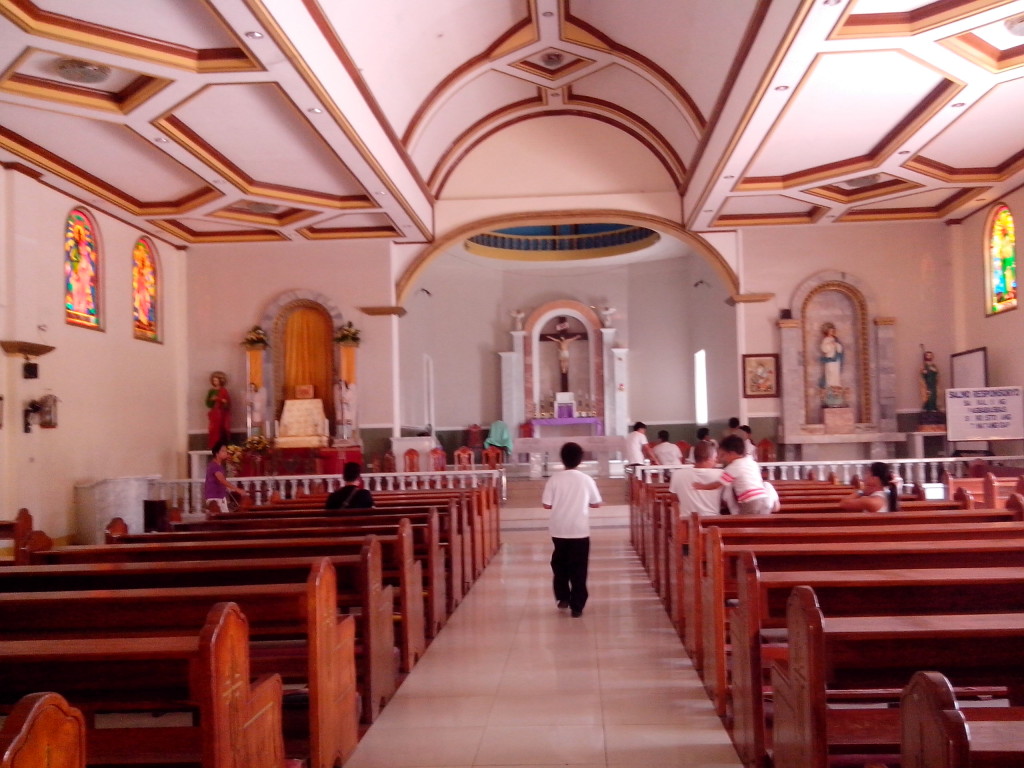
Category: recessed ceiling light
<point>958,105</point>
<point>729,177</point>
<point>161,140</point>
<point>831,2</point>
<point>781,87</point>
<point>78,71</point>
<point>380,193</point>
<point>547,14</point>
<point>980,199</point>
<point>254,35</point>
<point>314,110</point>
<point>556,95</point>
<point>707,210</point>
<point>903,152</point>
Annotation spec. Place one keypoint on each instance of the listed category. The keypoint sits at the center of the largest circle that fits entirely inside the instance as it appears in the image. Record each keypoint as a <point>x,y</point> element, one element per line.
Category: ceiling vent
<point>78,71</point>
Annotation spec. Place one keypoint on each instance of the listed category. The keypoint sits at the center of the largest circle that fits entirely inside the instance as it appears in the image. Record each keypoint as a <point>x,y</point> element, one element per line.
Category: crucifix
<point>563,338</point>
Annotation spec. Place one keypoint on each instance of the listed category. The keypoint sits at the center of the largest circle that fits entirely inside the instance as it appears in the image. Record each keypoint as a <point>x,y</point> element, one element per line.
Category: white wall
<point>230,286</point>
<point>120,412</point>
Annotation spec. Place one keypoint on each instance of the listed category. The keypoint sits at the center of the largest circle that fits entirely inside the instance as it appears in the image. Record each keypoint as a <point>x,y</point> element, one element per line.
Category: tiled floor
<point>511,681</point>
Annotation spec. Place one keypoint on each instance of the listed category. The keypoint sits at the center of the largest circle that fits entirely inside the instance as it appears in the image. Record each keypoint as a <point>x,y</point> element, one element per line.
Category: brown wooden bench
<point>761,608</point>
<point>360,592</point>
<point>993,491</point>
<point>294,631</point>
<point>870,655</point>
<point>206,673</point>
<point>43,731</point>
<point>399,566</point>
<point>936,732</point>
<point>427,545</point>
<point>16,530</point>
<point>719,584</point>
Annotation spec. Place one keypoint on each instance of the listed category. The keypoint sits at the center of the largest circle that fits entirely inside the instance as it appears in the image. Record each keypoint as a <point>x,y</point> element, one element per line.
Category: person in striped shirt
<point>743,474</point>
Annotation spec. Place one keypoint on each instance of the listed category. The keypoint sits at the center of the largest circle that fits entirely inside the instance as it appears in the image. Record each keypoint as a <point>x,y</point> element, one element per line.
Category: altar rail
<point>911,470</point>
<point>187,495</point>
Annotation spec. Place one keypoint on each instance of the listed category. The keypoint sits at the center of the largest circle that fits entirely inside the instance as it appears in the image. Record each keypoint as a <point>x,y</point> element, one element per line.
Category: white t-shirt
<point>569,494</point>
<point>635,441</point>
<point>691,500</point>
<point>745,477</point>
<point>667,453</point>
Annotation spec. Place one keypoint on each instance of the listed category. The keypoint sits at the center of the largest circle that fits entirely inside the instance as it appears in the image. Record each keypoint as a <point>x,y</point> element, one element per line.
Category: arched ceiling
<point>243,120</point>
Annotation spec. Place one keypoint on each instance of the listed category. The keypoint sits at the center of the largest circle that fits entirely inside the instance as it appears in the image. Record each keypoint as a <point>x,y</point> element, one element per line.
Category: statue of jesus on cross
<point>562,338</point>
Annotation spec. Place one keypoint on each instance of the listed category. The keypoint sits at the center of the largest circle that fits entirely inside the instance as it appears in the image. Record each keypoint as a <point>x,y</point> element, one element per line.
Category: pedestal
<point>838,421</point>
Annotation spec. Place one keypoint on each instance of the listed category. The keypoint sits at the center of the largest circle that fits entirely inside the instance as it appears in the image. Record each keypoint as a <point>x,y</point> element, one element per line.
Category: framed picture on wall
<point>761,376</point>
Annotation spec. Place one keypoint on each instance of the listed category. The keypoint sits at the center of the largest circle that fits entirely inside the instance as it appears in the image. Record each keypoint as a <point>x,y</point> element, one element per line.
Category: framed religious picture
<point>760,375</point>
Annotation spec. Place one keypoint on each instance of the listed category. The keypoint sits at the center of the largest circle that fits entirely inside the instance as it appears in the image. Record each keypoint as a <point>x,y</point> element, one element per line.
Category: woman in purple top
<point>217,485</point>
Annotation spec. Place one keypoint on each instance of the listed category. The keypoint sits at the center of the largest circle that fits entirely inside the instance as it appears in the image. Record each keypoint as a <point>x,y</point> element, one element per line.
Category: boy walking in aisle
<point>570,495</point>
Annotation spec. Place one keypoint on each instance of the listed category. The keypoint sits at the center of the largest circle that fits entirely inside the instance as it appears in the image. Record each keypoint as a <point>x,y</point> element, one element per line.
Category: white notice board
<point>985,413</point>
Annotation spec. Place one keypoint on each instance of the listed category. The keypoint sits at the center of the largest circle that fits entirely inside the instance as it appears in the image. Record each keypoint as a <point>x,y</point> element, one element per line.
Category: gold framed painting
<point>761,376</point>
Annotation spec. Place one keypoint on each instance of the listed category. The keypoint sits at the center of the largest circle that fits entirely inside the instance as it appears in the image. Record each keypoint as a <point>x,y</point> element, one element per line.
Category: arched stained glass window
<point>1001,261</point>
<point>144,290</point>
<point>81,271</point>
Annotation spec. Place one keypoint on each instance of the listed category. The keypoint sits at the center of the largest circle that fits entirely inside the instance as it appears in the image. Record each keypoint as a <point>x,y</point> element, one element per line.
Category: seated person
<point>704,470</point>
<point>879,494</point>
<point>666,452</point>
<point>351,495</point>
<point>743,476</point>
<point>217,486</point>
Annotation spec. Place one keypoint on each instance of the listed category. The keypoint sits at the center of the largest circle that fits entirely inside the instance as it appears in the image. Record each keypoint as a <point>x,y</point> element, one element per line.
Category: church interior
<point>438,216</point>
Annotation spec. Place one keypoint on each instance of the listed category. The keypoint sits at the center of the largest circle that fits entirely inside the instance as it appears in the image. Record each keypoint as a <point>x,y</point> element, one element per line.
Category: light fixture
<point>903,152</point>
<point>254,35</point>
<point>781,88</point>
<point>958,105</point>
<point>78,71</point>
<point>831,2</point>
<point>552,59</point>
<point>863,181</point>
<point>161,139</point>
<point>380,193</point>
<point>548,14</point>
<point>28,350</point>
<point>730,176</point>
<point>314,110</point>
<point>1015,25</point>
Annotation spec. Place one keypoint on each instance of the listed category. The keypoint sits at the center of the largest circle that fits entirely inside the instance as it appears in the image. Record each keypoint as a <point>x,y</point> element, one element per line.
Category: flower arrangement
<point>256,337</point>
<point>235,454</point>
<point>347,334</point>
<point>258,444</point>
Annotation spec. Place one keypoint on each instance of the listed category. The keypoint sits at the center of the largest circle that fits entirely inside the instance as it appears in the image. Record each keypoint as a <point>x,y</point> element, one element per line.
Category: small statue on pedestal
<point>517,319</point>
<point>931,419</point>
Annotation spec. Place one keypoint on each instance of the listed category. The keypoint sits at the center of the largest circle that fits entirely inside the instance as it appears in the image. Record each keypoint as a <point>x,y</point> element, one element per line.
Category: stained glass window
<point>1002,261</point>
<point>81,271</point>
<point>144,290</point>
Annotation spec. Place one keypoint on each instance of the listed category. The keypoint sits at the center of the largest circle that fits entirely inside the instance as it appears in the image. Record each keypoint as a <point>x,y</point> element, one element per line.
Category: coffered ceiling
<point>207,121</point>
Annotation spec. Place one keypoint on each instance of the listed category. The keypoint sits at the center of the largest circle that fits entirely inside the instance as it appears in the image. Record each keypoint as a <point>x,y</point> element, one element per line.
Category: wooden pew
<point>427,545</point>
<point>724,553</point>
<point>761,607</point>
<point>407,537</point>
<point>207,672</point>
<point>360,592</point>
<point>872,654</point>
<point>16,530</point>
<point>935,732</point>
<point>43,730</point>
<point>399,565</point>
<point>992,490</point>
<point>294,631</point>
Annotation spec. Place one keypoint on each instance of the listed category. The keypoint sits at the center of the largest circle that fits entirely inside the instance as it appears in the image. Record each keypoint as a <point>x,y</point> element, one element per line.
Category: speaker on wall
<point>31,371</point>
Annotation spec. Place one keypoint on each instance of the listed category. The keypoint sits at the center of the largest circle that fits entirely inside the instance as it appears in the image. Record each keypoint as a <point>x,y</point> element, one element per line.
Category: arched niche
<point>536,362</point>
<point>274,320</point>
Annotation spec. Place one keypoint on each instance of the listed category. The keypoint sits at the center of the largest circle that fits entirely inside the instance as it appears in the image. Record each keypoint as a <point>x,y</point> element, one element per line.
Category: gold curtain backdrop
<point>309,354</point>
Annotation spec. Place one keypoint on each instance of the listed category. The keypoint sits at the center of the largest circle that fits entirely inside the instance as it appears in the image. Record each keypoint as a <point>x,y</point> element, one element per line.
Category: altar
<point>543,450</point>
<point>568,427</point>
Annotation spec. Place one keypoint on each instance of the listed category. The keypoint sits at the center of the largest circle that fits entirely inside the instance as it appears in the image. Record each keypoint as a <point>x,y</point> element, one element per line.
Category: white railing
<point>187,495</point>
<point>911,470</point>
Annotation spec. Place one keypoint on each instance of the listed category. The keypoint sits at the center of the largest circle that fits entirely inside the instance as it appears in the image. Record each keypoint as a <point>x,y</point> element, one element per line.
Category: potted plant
<point>256,338</point>
<point>347,335</point>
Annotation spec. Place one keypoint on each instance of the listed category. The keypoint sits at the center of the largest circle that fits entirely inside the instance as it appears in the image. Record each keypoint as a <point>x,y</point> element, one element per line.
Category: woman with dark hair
<point>879,494</point>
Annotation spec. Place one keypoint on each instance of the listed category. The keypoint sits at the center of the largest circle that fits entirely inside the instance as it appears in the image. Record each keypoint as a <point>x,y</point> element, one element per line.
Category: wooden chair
<point>493,457</point>
<point>766,450</point>
<point>684,448</point>
<point>438,460</point>
<point>411,460</point>
<point>463,458</point>
<point>387,462</point>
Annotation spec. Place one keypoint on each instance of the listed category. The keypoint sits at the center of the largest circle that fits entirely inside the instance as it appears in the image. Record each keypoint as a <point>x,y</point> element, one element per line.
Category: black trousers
<point>569,566</point>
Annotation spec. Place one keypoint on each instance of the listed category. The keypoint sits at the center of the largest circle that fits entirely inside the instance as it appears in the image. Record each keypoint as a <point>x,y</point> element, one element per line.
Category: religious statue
<point>218,400</point>
<point>831,367</point>
<point>929,381</point>
<point>345,408</point>
<point>255,405</point>
<point>563,339</point>
<point>517,319</point>
<point>606,317</point>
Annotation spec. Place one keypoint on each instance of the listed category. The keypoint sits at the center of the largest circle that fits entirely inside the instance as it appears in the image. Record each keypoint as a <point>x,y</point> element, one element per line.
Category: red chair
<point>463,458</point>
<point>411,459</point>
<point>765,450</point>
<point>387,462</point>
<point>438,460</point>
<point>494,457</point>
<point>684,448</point>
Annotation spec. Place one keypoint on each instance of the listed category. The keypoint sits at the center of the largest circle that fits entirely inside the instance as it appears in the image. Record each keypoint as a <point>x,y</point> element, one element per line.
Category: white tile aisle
<point>511,681</point>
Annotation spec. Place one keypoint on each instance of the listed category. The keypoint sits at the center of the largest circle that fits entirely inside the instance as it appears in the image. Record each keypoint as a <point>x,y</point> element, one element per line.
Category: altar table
<point>601,446</point>
<point>567,427</point>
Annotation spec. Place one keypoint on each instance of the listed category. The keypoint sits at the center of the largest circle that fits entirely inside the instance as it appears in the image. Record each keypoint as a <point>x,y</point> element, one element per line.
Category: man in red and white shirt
<point>743,474</point>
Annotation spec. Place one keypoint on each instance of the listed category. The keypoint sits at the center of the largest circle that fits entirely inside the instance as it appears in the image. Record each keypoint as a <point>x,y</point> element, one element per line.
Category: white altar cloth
<point>602,447</point>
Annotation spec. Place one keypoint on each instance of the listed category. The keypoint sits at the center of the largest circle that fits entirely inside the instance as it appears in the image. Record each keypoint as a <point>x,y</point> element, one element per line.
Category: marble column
<point>791,362</point>
<point>885,373</point>
<point>513,389</point>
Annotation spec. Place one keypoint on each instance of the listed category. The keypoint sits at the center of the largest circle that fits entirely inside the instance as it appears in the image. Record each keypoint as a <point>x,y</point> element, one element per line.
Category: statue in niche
<point>607,314</point>
<point>218,401</point>
<point>830,382</point>
<point>929,382</point>
<point>562,338</point>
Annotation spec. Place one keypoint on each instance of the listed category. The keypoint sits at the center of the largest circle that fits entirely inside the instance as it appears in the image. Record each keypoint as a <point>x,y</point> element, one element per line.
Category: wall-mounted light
<point>28,350</point>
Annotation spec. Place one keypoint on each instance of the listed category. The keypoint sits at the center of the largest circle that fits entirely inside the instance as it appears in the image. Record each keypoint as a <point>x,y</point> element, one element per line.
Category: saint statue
<point>345,408</point>
<point>929,382</point>
<point>607,314</point>
<point>218,400</point>
<point>517,319</point>
<point>831,367</point>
